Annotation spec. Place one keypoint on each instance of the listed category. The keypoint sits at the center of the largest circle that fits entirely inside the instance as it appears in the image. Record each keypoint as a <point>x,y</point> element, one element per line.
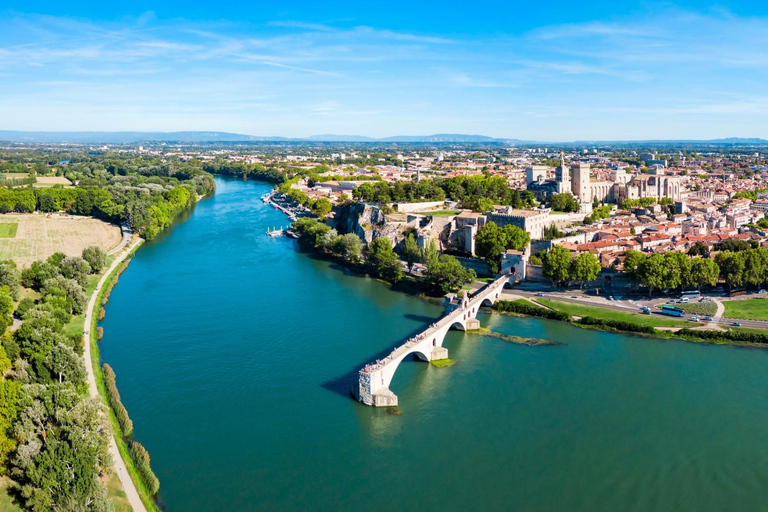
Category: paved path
<point>118,464</point>
<point>127,235</point>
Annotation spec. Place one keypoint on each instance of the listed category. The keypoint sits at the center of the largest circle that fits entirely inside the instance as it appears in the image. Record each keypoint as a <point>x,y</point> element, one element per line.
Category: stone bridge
<point>461,313</point>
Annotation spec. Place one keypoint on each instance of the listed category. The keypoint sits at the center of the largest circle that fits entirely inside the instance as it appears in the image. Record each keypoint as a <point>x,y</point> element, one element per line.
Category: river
<point>233,353</point>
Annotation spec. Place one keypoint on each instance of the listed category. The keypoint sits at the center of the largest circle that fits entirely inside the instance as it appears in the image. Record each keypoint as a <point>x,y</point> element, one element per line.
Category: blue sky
<point>554,71</point>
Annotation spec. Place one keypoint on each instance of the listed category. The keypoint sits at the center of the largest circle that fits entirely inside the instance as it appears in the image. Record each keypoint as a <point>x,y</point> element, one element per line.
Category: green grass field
<point>748,309</point>
<point>7,503</point>
<point>612,314</point>
<point>8,229</point>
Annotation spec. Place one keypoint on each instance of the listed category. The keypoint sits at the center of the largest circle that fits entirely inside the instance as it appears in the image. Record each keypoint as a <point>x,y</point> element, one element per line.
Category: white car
<point>693,319</point>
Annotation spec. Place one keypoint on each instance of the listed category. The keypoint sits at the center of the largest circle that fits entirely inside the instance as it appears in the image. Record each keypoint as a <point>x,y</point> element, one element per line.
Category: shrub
<point>744,337</point>
<point>524,308</point>
<point>100,333</point>
<point>140,458</point>
<point>113,396</point>
<point>102,313</point>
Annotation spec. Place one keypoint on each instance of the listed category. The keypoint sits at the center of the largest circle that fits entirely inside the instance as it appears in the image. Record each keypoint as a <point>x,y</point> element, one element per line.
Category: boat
<point>266,197</point>
<point>275,232</point>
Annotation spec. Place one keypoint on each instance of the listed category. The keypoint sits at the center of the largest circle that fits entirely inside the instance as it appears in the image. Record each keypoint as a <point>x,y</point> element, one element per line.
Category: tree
<point>632,261</point>
<point>10,277</point>
<point>449,275</point>
<point>678,270</point>
<point>383,260</point>
<point>95,257</point>
<point>490,244</point>
<point>585,267</point>
<point>429,253</point>
<point>652,272</point>
<point>704,271</point>
<point>75,267</point>
<point>348,246</point>
<point>328,239</point>
<point>492,241</point>
<point>557,264</point>
<point>410,251</point>
<point>564,202</point>
<point>322,207</point>
<point>65,365</point>
<point>731,268</point>
<point>698,249</point>
<point>517,239</point>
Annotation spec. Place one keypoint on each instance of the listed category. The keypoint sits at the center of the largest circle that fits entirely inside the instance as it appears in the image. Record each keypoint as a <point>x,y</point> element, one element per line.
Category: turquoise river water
<point>234,353</point>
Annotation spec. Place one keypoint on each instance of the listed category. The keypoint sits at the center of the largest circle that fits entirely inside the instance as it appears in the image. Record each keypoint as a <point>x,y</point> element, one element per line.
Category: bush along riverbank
<point>136,460</point>
<point>523,307</point>
<point>443,274</point>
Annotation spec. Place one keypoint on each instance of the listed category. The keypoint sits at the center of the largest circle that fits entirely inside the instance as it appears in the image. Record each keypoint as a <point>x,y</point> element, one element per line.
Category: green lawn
<point>612,314</point>
<point>441,213</point>
<point>7,503</point>
<point>698,308</point>
<point>748,309</point>
<point>8,229</point>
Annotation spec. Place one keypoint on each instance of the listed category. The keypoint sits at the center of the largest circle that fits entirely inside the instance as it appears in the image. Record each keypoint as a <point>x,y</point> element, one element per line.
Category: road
<point>117,461</point>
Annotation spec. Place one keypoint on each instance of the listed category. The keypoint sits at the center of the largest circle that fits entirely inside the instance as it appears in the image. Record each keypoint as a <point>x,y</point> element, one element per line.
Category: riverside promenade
<point>118,465</point>
<point>461,313</point>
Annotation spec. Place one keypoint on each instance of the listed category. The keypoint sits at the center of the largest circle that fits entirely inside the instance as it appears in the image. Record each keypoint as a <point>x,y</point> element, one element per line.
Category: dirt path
<point>118,464</point>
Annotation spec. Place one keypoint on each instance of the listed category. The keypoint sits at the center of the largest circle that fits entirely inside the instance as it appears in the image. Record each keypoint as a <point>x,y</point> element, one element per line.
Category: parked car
<point>646,310</point>
<point>761,292</point>
<point>670,302</point>
<point>684,300</point>
<point>610,297</point>
<point>539,294</point>
<point>705,299</point>
<point>707,318</point>
<point>736,324</point>
<point>693,319</point>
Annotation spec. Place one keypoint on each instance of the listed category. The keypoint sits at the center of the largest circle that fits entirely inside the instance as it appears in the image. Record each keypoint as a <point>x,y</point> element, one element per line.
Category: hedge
<point>113,396</point>
<point>745,337</point>
<point>140,457</point>
<point>619,325</point>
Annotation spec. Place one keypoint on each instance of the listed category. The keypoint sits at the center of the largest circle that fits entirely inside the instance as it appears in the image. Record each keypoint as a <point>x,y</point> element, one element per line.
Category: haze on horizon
<point>554,72</point>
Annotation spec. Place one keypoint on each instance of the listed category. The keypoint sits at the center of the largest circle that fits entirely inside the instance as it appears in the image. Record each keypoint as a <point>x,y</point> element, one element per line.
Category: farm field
<point>38,236</point>
<point>49,181</point>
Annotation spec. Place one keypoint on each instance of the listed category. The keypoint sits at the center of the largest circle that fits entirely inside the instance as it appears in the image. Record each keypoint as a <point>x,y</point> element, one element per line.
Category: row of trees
<point>443,272</point>
<point>478,193</point>
<point>671,270</point>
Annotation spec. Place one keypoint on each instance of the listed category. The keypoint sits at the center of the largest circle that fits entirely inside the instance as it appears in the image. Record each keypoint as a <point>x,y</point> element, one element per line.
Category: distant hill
<point>205,136</point>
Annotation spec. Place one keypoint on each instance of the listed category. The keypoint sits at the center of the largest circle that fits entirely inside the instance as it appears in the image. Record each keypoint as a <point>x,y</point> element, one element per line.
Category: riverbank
<point>121,462</point>
<point>563,312</point>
